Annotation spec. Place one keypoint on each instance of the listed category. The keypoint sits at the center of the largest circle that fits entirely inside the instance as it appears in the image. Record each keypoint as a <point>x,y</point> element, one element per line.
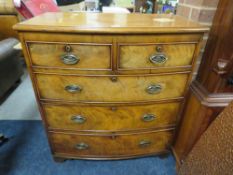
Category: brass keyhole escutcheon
<point>113,108</point>
<point>159,48</point>
<point>114,79</point>
<point>68,48</point>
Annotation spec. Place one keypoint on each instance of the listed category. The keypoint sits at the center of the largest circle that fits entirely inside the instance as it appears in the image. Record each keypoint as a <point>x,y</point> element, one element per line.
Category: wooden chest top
<point>110,23</point>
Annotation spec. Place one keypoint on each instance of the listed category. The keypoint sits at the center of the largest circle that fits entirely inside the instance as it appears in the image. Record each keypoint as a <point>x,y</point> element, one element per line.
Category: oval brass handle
<point>73,88</point>
<point>154,89</point>
<point>144,143</point>
<point>82,146</point>
<point>158,59</point>
<point>78,119</point>
<point>148,117</point>
<point>70,59</point>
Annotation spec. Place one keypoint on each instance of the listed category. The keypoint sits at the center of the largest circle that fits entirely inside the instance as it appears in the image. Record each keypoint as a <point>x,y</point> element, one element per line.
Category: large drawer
<point>72,56</point>
<point>107,89</point>
<point>110,145</point>
<point>152,56</point>
<point>114,118</point>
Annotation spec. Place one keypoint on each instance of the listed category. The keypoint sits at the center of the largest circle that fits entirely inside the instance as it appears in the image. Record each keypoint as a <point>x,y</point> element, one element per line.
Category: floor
<point>27,151</point>
<point>21,103</point>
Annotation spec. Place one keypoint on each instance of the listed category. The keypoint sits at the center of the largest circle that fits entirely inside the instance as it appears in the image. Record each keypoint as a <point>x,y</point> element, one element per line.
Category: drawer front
<point>111,145</point>
<point>155,56</point>
<point>76,117</point>
<point>78,56</point>
<point>105,89</point>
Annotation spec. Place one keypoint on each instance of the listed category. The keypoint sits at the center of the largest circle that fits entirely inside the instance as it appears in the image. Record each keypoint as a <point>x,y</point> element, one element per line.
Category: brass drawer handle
<point>148,117</point>
<point>158,59</point>
<point>154,89</point>
<point>70,59</point>
<point>144,143</point>
<point>73,88</point>
<point>82,146</point>
<point>78,119</point>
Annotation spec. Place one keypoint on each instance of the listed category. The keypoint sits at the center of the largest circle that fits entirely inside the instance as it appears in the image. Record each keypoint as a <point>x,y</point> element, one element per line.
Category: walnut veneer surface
<point>110,86</point>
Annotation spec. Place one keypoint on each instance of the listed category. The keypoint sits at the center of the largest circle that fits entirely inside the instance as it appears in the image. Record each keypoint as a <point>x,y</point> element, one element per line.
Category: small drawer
<point>111,89</point>
<point>153,56</point>
<point>114,118</point>
<point>78,56</point>
<point>110,145</point>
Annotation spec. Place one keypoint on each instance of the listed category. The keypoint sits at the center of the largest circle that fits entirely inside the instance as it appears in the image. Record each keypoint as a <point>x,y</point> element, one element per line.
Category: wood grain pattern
<point>113,38</point>
<point>92,56</point>
<point>61,157</point>
<point>191,122</point>
<point>110,145</point>
<point>113,118</point>
<point>110,23</point>
<point>102,89</point>
<point>138,56</point>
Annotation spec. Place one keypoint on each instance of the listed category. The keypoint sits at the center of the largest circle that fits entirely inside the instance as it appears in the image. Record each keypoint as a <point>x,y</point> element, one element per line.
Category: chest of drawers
<point>110,86</point>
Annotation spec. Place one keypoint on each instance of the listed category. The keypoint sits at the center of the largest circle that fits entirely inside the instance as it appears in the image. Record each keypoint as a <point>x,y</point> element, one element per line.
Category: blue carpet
<point>27,153</point>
